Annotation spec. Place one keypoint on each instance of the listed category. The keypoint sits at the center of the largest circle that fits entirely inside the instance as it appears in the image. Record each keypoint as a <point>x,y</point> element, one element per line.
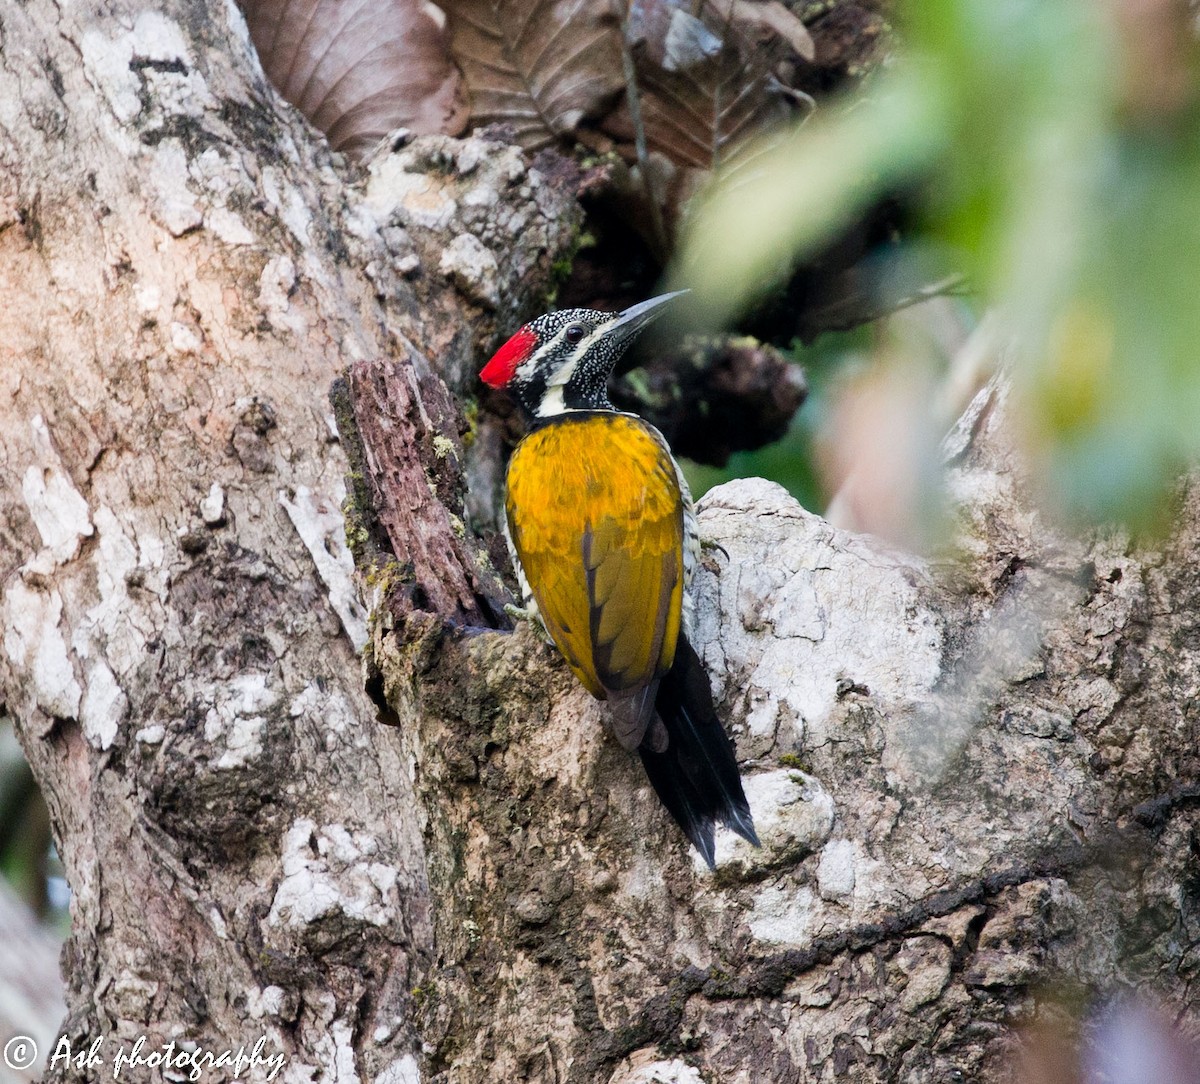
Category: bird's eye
<point>575,333</point>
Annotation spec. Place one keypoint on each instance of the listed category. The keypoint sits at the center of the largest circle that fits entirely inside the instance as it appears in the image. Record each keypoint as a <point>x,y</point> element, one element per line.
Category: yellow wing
<point>596,519</point>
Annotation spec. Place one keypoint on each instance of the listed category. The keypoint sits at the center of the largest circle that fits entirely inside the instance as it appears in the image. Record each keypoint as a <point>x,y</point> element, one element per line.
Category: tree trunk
<point>185,270</point>
<point>972,776</point>
<point>973,779</point>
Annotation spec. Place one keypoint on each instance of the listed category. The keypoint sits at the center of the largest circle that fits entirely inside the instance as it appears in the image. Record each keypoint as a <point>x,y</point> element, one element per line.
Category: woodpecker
<point>600,526</point>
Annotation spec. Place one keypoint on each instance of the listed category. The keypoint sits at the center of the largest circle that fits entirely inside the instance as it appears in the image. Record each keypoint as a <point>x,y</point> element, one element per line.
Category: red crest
<point>499,371</point>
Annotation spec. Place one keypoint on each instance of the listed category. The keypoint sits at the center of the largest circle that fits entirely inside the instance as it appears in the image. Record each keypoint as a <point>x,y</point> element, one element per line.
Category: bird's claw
<point>518,613</point>
<point>530,614</point>
<point>710,544</point>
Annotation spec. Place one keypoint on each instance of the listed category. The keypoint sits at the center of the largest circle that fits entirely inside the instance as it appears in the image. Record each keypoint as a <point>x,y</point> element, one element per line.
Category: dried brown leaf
<point>359,69</point>
<point>705,87</point>
<point>539,67</point>
<point>669,35</point>
<point>773,16</point>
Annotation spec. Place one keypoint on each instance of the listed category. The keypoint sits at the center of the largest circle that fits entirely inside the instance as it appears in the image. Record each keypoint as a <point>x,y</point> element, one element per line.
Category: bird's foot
<point>530,614</point>
<point>709,544</point>
<point>518,613</point>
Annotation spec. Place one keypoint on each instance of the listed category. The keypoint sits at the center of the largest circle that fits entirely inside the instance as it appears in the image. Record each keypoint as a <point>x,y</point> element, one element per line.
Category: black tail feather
<point>696,776</point>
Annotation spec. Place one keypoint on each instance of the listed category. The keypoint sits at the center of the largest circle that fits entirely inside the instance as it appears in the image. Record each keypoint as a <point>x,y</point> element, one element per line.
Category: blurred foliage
<point>1053,147</point>
<point>27,860</point>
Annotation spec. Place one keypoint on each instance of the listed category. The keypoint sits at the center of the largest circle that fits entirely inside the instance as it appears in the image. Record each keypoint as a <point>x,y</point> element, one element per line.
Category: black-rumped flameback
<point>602,534</point>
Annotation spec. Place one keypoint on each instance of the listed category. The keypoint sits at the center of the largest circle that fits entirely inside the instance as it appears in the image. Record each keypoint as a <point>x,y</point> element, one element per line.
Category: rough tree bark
<point>185,271</point>
<point>972,776</point>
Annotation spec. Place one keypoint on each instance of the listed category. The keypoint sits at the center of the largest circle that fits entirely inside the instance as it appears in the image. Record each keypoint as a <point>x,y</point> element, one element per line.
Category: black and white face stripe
<point>576,352</point>
<point>570,366</point>
<point>584,360</point>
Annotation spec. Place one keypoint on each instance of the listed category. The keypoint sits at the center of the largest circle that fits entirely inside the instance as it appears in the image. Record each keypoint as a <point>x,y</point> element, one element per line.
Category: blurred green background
<point>27,856</point>
<point>792,461</point>
<point>1052,153</point>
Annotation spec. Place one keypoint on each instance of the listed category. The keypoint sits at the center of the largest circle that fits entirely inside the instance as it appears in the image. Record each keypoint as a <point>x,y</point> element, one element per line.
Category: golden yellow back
<point>596,519</point>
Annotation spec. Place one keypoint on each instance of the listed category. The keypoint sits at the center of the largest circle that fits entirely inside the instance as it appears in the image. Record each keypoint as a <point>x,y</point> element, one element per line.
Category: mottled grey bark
<point>185,270</point>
